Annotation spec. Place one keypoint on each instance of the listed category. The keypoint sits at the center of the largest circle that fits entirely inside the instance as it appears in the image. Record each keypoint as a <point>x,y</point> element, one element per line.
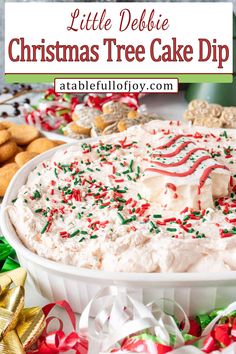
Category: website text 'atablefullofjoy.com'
<point>117,85</point>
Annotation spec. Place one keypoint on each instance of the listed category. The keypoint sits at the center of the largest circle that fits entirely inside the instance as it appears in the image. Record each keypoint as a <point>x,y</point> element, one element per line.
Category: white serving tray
<point>195,292</point>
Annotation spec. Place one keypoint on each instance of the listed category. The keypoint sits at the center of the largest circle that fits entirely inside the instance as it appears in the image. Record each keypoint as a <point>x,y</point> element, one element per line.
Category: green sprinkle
<point>131,165</point>
<point>14,200</point>
<point>82,239</point>
<point>201,236</point>
<point>36,195</point>
<point>191,230</point>
<point>44,228</point>
<point>130,219</point>
<point>157,216</point>
<point>153,226</point>
<point>186,217</point>
<point>38,210</point>
<point>138,171</point>
<point>55,172</point>
<point>93,236</point>
<point>121,200</point>
<point>68,192</point>
<point>122,219</point>
<point>75,233</point>
<point>225,134</point>
<point>171,229</point>
<point>76,181</point>
<point>139,196</point>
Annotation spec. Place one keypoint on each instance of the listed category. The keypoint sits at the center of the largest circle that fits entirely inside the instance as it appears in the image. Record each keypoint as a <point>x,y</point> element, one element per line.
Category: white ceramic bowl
<point>196,292</point>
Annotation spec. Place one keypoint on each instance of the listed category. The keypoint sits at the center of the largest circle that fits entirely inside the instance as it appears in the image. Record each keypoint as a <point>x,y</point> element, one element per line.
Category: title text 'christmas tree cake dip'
<point>157,198</point>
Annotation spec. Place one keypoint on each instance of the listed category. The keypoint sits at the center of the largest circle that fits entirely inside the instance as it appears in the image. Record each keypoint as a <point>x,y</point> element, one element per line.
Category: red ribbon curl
<point>57,341</point>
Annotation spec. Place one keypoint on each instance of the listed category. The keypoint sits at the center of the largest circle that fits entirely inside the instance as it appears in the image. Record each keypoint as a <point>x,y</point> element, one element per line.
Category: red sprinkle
<point>185,210</point>
<point>223,235</point>
<point>230,220</point>
<point>128,201</point>
<point>169,219</point>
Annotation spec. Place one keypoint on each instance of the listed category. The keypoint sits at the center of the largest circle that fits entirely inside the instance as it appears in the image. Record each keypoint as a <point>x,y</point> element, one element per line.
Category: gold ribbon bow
<point>19,327</point>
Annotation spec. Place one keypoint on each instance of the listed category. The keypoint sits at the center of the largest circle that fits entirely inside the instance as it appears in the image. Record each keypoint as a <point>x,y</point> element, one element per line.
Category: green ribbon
<point>147,336</point>
<point>7,256</point>
<point>153,338</point>
<point>198,342</point>
<point>215,313</point>
<point>203,320</point>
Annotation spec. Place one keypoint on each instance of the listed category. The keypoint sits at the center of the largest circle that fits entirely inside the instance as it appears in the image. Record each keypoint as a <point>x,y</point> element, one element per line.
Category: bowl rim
<point>73,271</point>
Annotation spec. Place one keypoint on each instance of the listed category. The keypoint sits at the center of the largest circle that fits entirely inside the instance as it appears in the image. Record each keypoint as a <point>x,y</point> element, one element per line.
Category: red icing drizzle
<point>170,142</point>
<point>171,186</point>
<point>186,173</point>
<point>207,171</point>
<point>181,162</point>
<point>190,171</point>
<point>176,152</point>
<point>199,204</point>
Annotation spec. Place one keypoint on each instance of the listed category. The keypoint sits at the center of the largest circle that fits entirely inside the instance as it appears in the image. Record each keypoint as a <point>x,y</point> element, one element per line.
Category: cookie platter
<point>194,291</point>
<point>18,144</point>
